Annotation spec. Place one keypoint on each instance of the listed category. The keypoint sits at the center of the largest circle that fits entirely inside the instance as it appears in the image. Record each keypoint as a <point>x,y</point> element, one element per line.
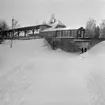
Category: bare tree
<point>52,19</point>
<point>3,25</point>
<point>90,28</point>
<point>97,32</point>
<point>102,29</point>
<point>43,22</point>
<point>15,24</point>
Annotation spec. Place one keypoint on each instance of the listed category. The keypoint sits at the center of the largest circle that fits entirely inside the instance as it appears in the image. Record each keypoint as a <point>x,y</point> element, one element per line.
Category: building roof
<point>54,23</point>
<point>56,29</point>
<point>57,24</point>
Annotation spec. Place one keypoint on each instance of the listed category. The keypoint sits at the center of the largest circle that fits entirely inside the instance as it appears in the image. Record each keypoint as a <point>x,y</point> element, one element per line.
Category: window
<point>82,34</point>
<point>64,33</point>
<point>79,33</point>
<point>58,34</point>
<point>67,33</point>
<point>75,33</point>
<point>72,34</point>
<point>49,33</point>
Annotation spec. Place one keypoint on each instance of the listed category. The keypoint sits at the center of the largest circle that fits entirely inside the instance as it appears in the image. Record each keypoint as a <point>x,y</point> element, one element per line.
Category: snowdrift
<point>97,50</point>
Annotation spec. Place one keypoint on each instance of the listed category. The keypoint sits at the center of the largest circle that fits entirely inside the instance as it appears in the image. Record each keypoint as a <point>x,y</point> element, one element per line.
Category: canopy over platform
<point>28,28</point>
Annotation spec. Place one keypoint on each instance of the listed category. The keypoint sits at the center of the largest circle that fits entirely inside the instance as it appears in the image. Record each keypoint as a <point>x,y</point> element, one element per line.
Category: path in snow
<point>95,62</point>
<point>37,75</point>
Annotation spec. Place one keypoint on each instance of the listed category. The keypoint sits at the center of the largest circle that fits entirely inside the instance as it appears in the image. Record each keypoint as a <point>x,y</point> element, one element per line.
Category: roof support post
<point>25,31</point>
<point>33,30</point>
<point>13,34</point>
<point>9,35</point>
<point>18,33</point>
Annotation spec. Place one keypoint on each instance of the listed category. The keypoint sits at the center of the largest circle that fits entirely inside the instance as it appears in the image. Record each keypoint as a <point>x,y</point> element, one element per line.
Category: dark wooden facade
<point>64,33</point>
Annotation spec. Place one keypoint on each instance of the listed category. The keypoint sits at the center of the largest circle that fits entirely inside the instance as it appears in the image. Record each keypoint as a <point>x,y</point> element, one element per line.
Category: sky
<point>72,13</point>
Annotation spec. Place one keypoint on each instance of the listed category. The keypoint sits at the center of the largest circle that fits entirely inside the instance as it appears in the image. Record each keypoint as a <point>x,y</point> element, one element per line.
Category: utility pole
<point>12,32</point>
<point>36,22</point>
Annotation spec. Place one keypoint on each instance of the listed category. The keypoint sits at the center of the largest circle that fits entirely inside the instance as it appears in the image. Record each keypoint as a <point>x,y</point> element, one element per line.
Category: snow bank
<point>20,51</point>
<point>97,50</point>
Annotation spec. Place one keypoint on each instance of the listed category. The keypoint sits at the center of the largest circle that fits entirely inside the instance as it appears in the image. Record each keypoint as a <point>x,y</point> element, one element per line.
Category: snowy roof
<point>57,24</point>
<point>28,28</point>
<point>55,29</point>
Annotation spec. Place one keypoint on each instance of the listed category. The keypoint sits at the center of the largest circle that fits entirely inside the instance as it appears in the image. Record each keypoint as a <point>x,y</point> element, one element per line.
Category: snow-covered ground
<point>33,74</point>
